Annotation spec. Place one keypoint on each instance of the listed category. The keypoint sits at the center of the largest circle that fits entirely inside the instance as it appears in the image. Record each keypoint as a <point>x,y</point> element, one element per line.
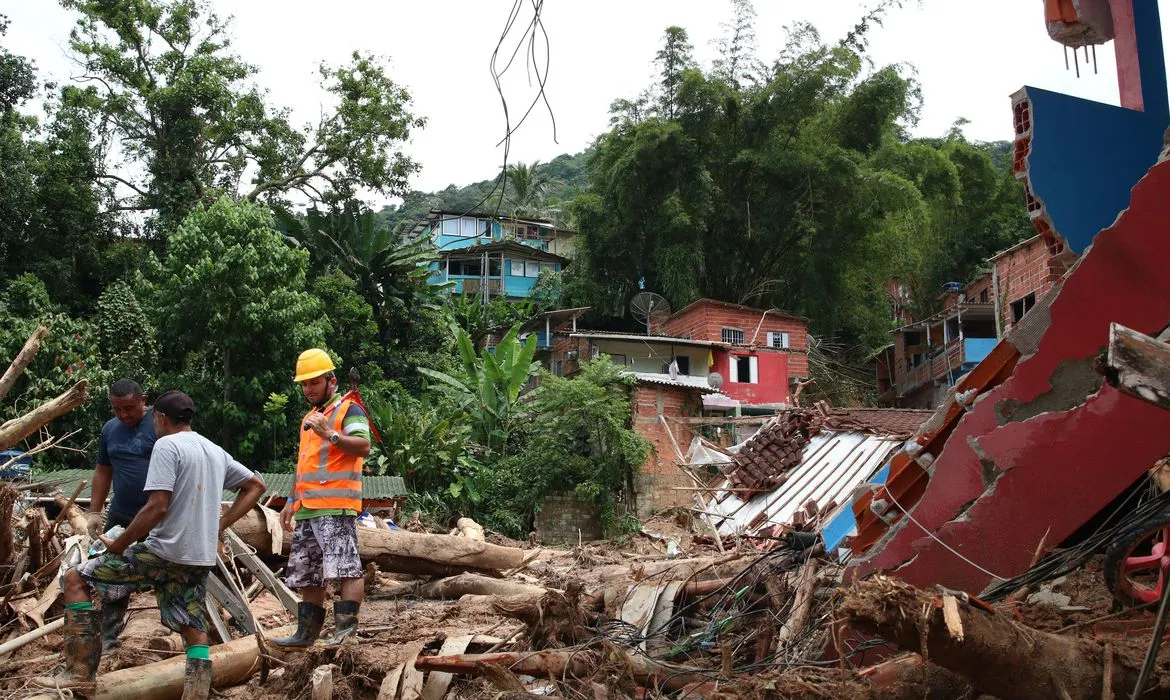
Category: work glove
<point>96,523</point>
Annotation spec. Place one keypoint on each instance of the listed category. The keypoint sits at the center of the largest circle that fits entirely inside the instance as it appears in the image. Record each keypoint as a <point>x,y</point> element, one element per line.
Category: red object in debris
<point>1155,564</point>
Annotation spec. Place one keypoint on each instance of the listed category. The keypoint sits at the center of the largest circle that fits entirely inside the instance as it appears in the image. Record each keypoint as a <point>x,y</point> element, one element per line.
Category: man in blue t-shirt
<point>123,458</point>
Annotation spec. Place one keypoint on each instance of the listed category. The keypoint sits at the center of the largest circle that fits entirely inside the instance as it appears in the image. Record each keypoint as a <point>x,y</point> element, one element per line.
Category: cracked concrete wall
<point>1053,443</point>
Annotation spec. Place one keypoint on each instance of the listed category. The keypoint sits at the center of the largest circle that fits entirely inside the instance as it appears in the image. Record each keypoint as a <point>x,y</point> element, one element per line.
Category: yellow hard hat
<point>311,364</point>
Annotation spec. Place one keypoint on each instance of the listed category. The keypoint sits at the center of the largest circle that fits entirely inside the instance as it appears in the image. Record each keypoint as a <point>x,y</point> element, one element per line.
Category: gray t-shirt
<point>196,471</point>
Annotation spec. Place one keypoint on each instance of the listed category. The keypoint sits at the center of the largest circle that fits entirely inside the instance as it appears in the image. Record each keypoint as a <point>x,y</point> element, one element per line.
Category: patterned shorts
<point>323,549</point>
<point>181,591</point>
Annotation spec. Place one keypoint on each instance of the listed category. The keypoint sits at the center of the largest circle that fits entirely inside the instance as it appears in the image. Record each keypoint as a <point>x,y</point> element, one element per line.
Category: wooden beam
<point>1139,365</point>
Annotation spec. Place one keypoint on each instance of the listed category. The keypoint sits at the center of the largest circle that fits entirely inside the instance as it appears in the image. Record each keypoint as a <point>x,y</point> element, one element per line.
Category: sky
<point>969,61</point>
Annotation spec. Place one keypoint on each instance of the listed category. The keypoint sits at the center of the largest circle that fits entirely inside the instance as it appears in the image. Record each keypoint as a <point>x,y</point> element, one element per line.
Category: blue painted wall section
<point>1086,156</point>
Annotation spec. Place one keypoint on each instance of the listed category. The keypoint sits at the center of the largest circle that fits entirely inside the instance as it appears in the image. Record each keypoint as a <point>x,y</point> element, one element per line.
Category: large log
<point>23,358</point>
<point>406,552</point>
<point>455,587</point>
<point>997,655</point>
<point>561,664</point>
<point>18,429</point>
<point>231,663</point>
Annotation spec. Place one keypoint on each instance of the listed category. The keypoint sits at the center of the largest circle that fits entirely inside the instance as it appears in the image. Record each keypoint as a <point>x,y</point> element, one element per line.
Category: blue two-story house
<point>493,256</point>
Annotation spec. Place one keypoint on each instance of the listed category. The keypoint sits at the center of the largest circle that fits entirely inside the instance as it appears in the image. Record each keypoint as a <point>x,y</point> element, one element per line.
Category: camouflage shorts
<point>181,591</point>
<point>323,549</point>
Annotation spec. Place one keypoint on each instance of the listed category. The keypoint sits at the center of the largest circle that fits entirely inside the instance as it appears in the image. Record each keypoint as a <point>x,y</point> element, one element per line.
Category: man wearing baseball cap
<point>182,526</point>
<point>324,504</point>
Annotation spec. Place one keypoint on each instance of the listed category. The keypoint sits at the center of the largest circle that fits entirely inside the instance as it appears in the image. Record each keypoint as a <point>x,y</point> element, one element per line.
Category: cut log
<point>997,655</point>
<point>468,528</point>
<point>457,586</point>
<point>71,513</point>
<point>18,429</point>
<point>231,663</point>
<point>23,358</point>
<point>322,682</point>
<point>560,664</point>
<point>405,552</point>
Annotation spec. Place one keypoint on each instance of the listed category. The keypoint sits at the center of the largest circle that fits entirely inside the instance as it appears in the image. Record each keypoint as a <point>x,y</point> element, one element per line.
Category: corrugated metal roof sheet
<point>682,382</point>
<point>834,463</point>
<point>373,487</point>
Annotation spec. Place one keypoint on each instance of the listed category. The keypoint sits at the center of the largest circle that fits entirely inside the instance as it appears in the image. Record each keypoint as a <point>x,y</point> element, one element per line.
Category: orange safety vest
<point>327,478</point>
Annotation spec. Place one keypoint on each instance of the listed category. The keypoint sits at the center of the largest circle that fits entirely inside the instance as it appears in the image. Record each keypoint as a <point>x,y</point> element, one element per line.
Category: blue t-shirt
<point>127,450</point>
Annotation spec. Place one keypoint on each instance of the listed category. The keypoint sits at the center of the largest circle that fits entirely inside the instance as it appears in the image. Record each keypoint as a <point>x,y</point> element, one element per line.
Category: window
<point>733,336</point>
<point>744,369</point>
<point>559,368</point>
<point>531,269</point>
<point>466,268</point>
<point>468,228</point>
<point>778,339</point>
<point>984,297</point>
<point>684,365</point>
<point>450,226</point>
<point>516,268</point>
<point>493,267</point>
<point>1021,307</point>
<point>548,266</point>
<point>912,338</point>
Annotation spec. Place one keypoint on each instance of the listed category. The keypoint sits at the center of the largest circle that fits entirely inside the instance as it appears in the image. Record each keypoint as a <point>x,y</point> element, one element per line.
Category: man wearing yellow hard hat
<point>324,504</point>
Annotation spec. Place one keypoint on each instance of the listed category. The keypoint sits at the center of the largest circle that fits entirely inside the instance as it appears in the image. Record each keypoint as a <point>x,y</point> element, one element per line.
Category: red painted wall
<point>772,375</point>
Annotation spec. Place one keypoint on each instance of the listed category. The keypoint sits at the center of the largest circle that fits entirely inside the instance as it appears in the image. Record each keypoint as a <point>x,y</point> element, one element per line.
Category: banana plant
<point>489,391</point>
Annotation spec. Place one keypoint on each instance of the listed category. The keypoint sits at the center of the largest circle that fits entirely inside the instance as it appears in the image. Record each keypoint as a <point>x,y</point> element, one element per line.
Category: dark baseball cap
<point>176,406</point>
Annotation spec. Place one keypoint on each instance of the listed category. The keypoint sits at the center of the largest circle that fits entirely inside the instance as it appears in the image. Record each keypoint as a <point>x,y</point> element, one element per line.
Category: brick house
<point>760,355</point>
<point>710,357</point>
<point>927,356</point>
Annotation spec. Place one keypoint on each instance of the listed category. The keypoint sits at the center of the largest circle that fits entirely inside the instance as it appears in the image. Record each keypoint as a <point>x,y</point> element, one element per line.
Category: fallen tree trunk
<point>405,552</point>
<point>457,586</point>
<point>18,429</point>
<point>231,663</point>
<point>23,358</point>
<point>997,655</point>
<point>560,664</point>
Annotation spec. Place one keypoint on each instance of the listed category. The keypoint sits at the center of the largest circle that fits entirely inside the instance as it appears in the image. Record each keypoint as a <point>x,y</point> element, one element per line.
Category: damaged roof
<point>682,382</point>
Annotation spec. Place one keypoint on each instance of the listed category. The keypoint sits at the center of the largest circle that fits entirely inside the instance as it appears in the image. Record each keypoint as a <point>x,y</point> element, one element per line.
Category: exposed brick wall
<point>1027,269</point>
<point>564,518</point>
<point>660,471</point>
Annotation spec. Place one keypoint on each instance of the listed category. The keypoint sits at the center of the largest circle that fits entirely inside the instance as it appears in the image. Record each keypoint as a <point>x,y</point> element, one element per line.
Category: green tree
<point>528,187</point>
<point>674,59</point>
<point>232,313</point>
<point>170,91</point>
<point>390,272</point>
<point>577,437</point>
<point>353,332</point>
<point>738,62</point>
<point>489,389</point>
<point>128,342</point>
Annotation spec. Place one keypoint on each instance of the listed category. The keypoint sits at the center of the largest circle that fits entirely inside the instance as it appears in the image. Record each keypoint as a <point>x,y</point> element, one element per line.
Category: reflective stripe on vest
<point>327,478</point>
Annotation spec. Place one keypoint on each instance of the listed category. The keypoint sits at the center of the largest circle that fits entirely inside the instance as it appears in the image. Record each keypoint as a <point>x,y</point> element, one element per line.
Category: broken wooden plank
<point>1139,365</point>
<point>322,683</point>
<point>251,562</point>
<point>438,681</point>
<point>231,602</point>
<point>217,622</point>
<point>412,678</point>
<point>389,688</point>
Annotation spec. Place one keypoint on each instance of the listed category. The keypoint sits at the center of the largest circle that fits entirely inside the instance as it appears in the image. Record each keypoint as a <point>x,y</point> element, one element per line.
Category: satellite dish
<point>649,308</point>
<point>715,381</point>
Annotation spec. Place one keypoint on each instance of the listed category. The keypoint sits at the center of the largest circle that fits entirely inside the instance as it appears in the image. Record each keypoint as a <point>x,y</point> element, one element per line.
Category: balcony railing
<point>473,285</point>
<point>949,363</point>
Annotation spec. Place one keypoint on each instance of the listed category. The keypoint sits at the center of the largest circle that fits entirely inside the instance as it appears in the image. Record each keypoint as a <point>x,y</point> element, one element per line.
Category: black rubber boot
<point>345,621</point>
<point>113,615</point>
<point>310,619</point>
<point>197,684</point>
<point>82,650</point>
